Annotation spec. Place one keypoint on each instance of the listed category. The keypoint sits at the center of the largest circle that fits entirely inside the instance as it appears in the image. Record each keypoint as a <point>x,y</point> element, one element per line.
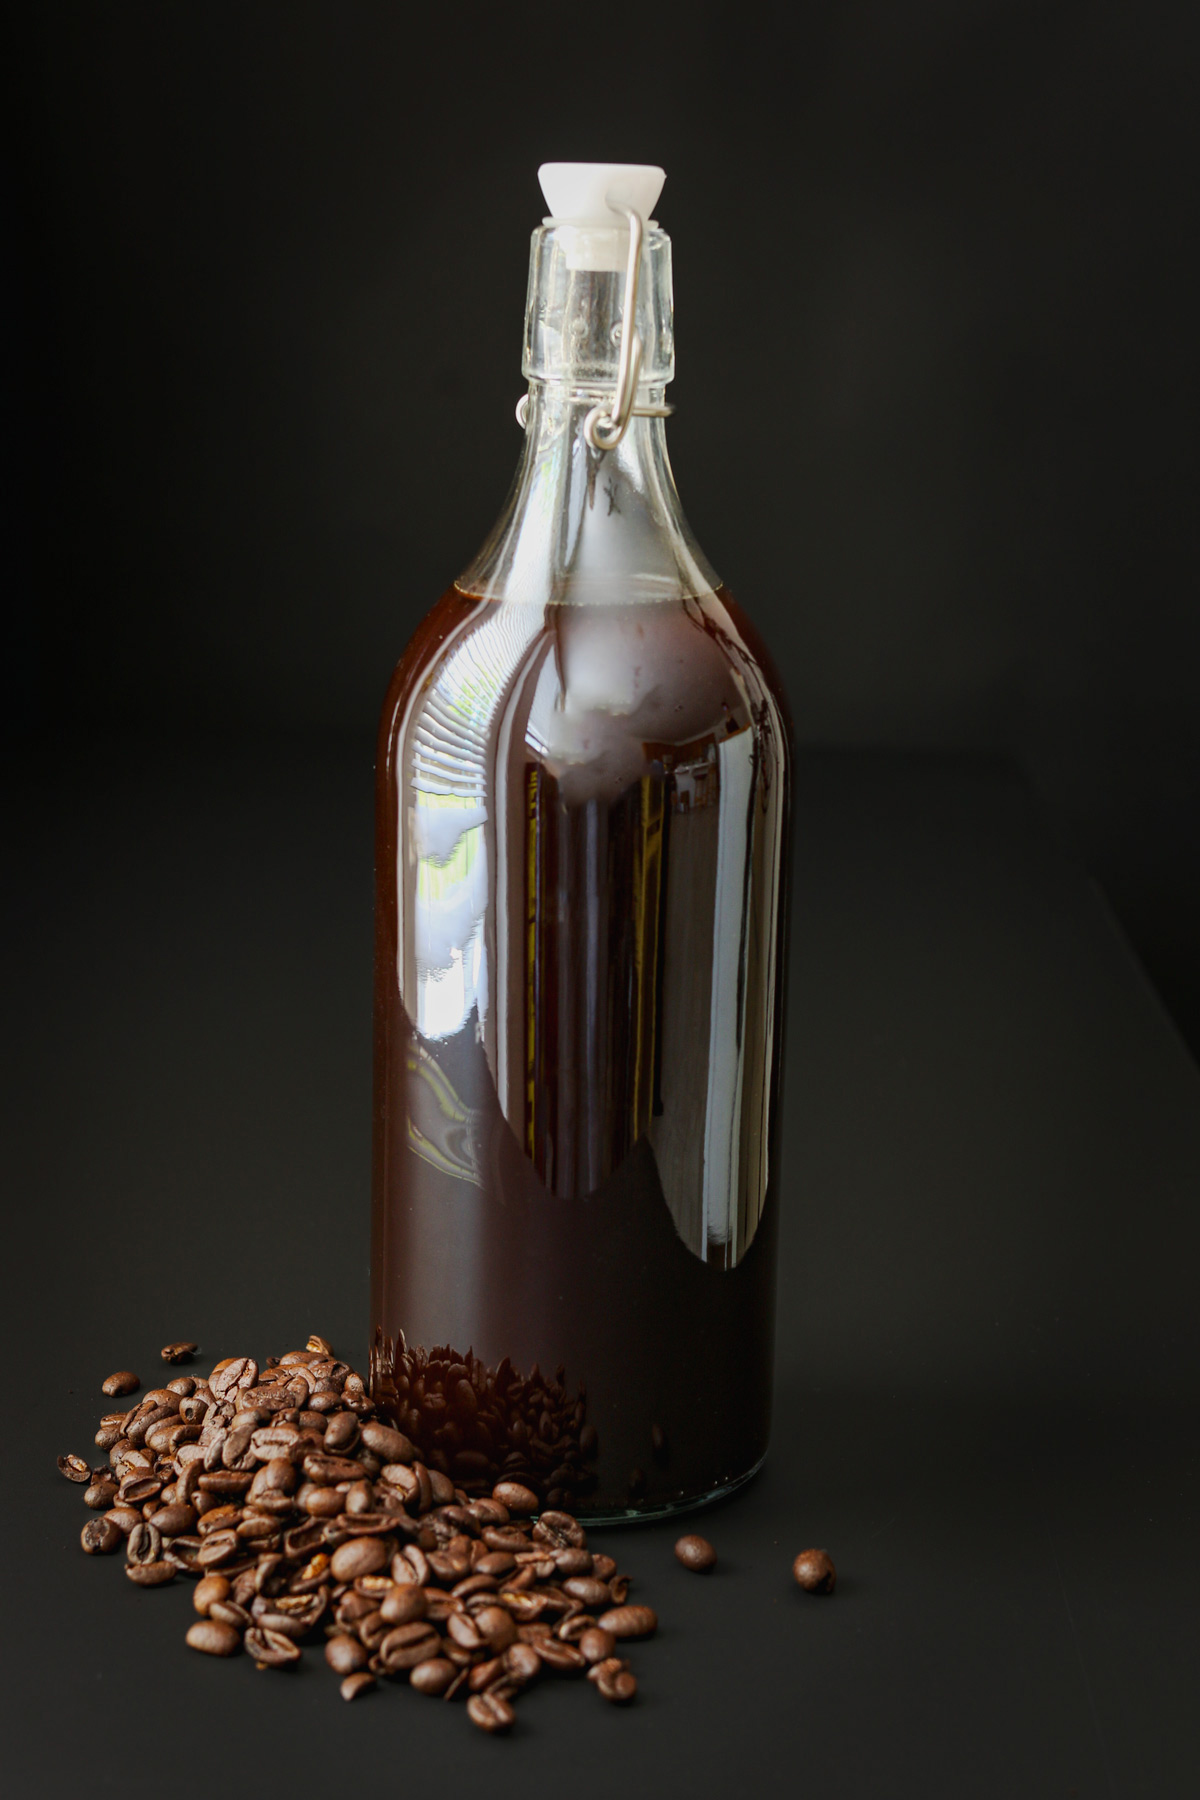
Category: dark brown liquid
<point>581,872</point>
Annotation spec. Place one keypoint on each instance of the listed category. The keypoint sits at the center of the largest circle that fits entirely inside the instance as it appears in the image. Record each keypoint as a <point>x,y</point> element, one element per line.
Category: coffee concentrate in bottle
<point>581,853</point>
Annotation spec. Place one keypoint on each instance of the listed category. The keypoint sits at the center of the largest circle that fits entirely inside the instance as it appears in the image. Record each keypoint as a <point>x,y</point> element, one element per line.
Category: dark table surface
<point>988,1344</point>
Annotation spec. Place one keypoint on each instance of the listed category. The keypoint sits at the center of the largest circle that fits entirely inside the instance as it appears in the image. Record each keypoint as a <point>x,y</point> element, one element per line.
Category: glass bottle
<point>583,799</point>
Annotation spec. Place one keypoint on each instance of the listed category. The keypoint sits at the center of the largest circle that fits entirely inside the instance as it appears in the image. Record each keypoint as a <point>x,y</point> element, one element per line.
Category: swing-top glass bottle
<point>582,850</point>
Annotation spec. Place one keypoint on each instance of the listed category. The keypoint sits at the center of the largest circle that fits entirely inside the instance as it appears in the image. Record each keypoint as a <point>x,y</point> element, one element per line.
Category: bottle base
<point>601,1517</point>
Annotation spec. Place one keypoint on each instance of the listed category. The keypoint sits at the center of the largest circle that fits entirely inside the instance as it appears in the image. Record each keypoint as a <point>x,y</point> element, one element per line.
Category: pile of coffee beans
<point>302,1515</point>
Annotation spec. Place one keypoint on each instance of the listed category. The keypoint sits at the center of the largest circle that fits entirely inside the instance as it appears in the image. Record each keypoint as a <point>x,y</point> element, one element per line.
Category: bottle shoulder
<point>580,686</point>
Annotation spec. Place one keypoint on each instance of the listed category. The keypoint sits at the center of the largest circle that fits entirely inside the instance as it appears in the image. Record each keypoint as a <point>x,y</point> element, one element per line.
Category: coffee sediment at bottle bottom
<point>579,917</point>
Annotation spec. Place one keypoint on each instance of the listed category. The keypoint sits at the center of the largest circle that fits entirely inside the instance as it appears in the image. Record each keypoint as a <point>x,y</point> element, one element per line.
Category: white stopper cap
<point>578,193</point>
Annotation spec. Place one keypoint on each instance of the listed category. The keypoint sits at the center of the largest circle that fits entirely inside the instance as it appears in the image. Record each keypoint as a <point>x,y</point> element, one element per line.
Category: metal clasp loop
<point>605,426</point>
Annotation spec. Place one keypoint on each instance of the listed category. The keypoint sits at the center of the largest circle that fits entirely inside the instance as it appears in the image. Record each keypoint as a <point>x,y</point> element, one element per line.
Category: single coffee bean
<point>341,1433</point>
<point>123,1382</point>
<point>319,1346</point>
<point>490,1712</point>
<point>172,1520</point>
<point>74,1468</point>
<point>361,1556</point>
<point>177,1353</point>
<point>124,1518</point>
<point>409,1645</point>
<point>213,1638</point>
<point>559,1530</point>
<point>814,1571</point>
<point>231,1375</point>
<point>496,1626</point>
<point>596,1644</point>
<point>401,1605</point>
<point>587,1590</point>
<point>100,1537</point>
<point>619,1688</point>
<point>209,1590</point>
<point>144,1543</point>
<point>356,1684</point>
<point>618,1587</point>
<point>270,1649</point>
<point>629,1621</point>
<point>345,1654</point>
<point>390,1446</point>
<point>100,1494</point>
<point>183,1385</point>
<point>522,1663</point>
<point>695,1553</point>
<point>520,1501</point>
<point>151,1574</point>
<point>612,1665</point>
<point>603,1567</point>
<point>433,1677</point>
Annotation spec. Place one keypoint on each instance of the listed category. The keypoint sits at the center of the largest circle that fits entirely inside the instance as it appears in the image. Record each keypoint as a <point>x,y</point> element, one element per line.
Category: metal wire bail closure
<point>606,424</point>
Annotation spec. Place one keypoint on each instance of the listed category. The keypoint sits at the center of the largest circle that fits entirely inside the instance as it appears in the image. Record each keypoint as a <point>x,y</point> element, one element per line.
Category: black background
<point>936,401</point>
<point>937,365</point>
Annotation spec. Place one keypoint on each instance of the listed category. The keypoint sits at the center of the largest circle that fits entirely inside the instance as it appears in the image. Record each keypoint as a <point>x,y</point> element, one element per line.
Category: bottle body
<point>583,824</point>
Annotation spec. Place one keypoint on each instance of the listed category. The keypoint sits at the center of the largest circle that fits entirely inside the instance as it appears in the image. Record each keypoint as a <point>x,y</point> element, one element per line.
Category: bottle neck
<point>583,525</point>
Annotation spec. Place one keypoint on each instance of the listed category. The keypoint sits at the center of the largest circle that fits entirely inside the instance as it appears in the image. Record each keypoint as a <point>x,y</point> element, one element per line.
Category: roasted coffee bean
<point>596,1644</point>
<point>629,1621</point>
<point>464,1631</point>
<point>620,1688</point>
<point>270,1649</point>
<point>74,1468</point>
<point>587,1590</point>
<point>618,1587</point>
<point>171,1520</point>
<point>345,1654</point>
<point>124,1518</point>
<point>219,1547</point>
<point>340,1433</point>
<point>234,1373</point>
<point>814,1571</point>
<point>183,1385</point>
<point>490,1712</point>
<point>213,1638</point>
<point>99,1495</point>
<point>695,1553</point>
<point>496,1625</point>
<point>401,1605</point>
<point>485,1675</point>
<point>144,1543</point>
<point>123,1382</point>
<point>559,1530</point>
<point>409,1645</point>
<point>361,1556</point>
<point>356,1684</point>
<point>212,1589</point>
<point>100,1537</point>
<point>433,1677</point>
<point>319,1346</point>
<point>178,1353</point>
<point>151,1574</point>
<point>327,1471</point>
<point>521,1502</point>
<point>522,1663</point>
<point>390,1446</point>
